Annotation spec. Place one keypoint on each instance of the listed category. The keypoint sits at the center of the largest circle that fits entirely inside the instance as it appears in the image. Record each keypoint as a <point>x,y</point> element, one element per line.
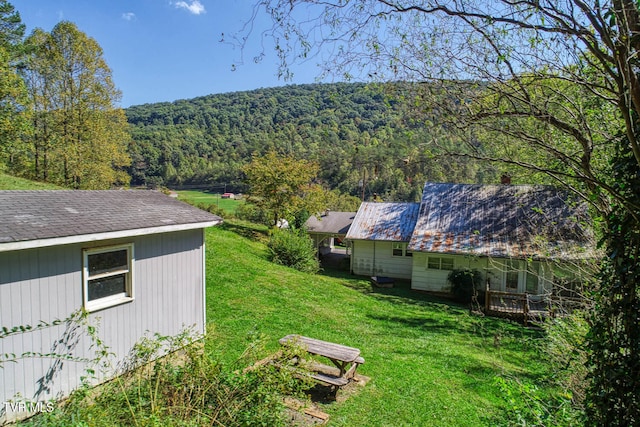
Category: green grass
<point>430,361</point>
<point>197,197</point>
<point>8,182</point>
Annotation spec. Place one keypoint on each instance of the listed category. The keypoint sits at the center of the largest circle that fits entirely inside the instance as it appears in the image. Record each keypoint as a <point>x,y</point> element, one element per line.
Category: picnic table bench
<point>346,359</point>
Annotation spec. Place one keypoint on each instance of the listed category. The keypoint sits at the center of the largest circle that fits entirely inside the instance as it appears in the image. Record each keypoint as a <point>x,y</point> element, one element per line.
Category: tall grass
<point>185,388</point>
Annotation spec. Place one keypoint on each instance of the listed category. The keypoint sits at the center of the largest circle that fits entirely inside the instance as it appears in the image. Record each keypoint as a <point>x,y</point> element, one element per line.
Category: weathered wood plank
<point>330,379</point>
<point>299,406</point>
<point>323,348</point>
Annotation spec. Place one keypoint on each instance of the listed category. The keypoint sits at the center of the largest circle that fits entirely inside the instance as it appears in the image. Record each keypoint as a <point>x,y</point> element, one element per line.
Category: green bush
<point>252,213</point>
<point>565,349</point>
<point>293,248</point>
<point>464,283</point>
<point>528,405</point>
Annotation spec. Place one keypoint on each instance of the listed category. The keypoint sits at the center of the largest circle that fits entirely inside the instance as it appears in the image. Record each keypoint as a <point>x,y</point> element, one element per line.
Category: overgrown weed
<point>171,381</point>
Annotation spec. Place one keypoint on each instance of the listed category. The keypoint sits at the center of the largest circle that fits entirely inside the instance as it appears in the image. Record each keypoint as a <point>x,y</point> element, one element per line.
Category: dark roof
<point>384,221</point>
<point>517,221</point>
<point>27,216</point>
<point>330,222</point>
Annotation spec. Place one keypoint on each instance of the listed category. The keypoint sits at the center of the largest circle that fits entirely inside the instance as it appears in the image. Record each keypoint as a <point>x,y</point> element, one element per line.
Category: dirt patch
<point>304,414</point>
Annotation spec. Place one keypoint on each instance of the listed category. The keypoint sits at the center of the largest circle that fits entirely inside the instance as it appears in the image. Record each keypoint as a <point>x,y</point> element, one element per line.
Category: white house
<point>379,238</point>
<point>134,260</point>
<point>521,237</point>
<point>325,230</point>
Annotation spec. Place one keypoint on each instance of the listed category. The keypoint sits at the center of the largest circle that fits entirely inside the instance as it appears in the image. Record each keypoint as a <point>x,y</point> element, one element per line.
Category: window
<point>108,276</point>
<point>533,272</point>
<point>400,249</point>
<point>397,249</point>
<point>440,263</point>
<point>512,276</point>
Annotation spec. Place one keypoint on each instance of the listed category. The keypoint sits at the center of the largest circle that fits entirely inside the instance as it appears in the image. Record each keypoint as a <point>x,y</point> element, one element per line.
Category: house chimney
<point>505,179</point>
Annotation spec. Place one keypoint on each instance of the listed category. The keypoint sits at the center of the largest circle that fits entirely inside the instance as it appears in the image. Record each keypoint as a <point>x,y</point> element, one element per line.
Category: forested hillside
<point>357,133</point>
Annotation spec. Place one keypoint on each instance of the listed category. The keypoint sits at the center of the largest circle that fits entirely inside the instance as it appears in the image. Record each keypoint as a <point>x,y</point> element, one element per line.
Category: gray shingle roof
<point>36,215</point>
<point>517,221</point>
<point>330,222</point>
<point>384,221</point>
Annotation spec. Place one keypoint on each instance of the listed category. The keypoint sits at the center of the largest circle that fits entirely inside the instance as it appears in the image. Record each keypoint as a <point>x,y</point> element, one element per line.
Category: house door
<point>511,276</point>
<point>532,278</point>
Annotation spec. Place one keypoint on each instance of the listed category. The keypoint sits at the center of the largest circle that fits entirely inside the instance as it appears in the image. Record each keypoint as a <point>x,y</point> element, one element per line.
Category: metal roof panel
<point>502,221</point>
<point>384,221</point>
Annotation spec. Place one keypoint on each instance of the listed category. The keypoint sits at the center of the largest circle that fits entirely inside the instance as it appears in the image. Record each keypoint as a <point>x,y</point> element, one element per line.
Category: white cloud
<point>194,6</point>
<point>129,16</point>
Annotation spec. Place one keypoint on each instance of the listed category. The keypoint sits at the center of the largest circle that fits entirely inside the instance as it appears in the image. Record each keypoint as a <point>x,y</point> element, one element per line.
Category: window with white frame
<point>511,275</point>
<point>400,249</point>
<point>533,275</point>
<point>108,276</point>
<point>439,263</point>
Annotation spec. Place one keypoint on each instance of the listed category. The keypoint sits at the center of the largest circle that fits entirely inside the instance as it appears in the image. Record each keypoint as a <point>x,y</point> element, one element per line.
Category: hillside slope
<point>359,134</point>
<point>8,182</point>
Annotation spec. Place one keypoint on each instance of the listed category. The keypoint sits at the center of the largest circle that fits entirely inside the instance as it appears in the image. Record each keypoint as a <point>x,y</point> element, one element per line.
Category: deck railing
<point>528,306</point>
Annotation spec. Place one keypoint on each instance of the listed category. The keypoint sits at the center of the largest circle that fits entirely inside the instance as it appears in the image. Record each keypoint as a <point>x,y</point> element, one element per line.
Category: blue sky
<point>164,50</point>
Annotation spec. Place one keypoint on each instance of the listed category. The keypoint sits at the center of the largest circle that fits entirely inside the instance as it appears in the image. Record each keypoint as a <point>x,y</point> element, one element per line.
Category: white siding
<point>494,272</point>
<point>432,280</point>
<point>375,258</point>
<point>435,280</point>
<point>46,284</point>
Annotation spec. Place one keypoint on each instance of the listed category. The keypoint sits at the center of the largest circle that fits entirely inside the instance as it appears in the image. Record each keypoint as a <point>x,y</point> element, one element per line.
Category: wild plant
<point>171,380</point>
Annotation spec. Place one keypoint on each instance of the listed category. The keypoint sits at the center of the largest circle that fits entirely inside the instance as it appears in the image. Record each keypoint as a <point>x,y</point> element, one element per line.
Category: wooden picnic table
<point>346,359</point>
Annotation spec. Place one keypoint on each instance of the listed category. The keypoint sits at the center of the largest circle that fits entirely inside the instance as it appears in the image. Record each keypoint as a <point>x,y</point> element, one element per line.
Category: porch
<point>528,307</point>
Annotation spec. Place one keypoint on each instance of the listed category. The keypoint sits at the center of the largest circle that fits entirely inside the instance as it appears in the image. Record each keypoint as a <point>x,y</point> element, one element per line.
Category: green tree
<point>80,136</point>
<point>14,121</point>
<point>277,184</point>
<point>560,77</point>
<point>11,28</point>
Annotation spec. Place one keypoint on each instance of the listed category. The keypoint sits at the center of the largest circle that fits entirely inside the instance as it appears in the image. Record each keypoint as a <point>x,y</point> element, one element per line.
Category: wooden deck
<point>527,307</point>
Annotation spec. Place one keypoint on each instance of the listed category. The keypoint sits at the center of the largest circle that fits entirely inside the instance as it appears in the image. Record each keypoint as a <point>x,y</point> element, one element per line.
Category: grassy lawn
<point>198,197</point>
<point>430,361</point>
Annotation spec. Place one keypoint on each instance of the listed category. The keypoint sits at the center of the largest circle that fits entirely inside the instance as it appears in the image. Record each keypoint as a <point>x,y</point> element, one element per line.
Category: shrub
<point>464,283</point>
<point>212,209</point>
<point>529,405</point>
<point>293,248</point>
<point>252,213</point>
<point>565,350</point>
